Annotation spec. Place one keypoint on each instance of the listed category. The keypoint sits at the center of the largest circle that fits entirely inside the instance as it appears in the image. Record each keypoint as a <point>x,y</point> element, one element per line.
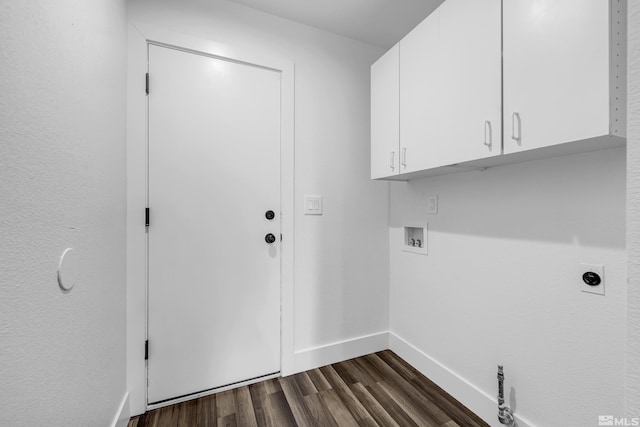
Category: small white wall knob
<point>68,268</point>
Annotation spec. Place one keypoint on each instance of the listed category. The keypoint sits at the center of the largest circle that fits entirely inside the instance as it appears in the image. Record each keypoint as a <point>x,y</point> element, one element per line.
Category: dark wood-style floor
<point>375,390</point>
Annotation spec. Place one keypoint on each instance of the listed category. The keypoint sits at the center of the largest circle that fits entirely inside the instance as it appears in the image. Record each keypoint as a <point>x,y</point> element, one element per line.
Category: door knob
<point>269,238</point>
<point>269,215</point>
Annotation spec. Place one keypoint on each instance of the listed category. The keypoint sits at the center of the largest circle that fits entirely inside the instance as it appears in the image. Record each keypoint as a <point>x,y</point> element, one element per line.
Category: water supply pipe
<point>505,416</point>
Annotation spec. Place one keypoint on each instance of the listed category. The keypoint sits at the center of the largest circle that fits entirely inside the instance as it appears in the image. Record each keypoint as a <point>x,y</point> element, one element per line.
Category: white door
<point>385,114</point>
<point>214,173</point>
<point>556,72</point>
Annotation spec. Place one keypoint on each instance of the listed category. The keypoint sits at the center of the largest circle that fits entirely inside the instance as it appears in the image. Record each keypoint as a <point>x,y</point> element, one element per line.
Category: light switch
<point>313,205</point>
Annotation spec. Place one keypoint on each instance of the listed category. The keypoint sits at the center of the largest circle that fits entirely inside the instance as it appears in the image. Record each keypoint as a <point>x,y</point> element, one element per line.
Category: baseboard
<point>337,352</point>
<point>121,418</point>
<point>483,405</point>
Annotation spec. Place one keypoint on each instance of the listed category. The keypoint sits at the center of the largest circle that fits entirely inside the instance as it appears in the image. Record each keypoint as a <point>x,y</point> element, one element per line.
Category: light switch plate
<point>313,205</point>
<point>593,268</point>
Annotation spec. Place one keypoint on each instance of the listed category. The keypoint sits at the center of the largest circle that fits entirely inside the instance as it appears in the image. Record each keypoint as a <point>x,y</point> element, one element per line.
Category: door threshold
<point>186,397</point>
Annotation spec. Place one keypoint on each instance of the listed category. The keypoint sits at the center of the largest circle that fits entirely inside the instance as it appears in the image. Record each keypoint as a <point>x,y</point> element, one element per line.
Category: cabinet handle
<point>487,130</point>
<point>518,138</point>
<point>404,157</point>
<point>392,158</point>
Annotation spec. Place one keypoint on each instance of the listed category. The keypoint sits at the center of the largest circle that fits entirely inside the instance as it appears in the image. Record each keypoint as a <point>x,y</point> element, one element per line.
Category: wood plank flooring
<point>380,389</point>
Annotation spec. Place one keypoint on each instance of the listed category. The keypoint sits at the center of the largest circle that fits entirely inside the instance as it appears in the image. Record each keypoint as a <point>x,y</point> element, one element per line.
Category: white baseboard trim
<point>483,405</point>
<point>337,352</point>
<point>121,418</point>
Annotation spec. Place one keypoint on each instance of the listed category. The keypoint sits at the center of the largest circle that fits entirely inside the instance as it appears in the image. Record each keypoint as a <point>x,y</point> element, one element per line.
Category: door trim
<point>139,36</point>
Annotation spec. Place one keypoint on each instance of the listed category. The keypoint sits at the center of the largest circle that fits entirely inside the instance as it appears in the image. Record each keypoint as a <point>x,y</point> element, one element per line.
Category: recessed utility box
<point>415,240</point>
<point>591,278</point>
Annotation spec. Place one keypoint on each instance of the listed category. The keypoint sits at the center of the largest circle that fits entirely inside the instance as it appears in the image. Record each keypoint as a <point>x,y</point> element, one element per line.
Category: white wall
<point>341,258</point>
<point>62,168</point>
<point>633,213</point>
<point>499,285</point>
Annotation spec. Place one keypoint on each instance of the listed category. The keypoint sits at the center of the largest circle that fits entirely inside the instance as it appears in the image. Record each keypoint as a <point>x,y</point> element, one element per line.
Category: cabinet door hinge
<point>146,217</point>
<point>146,350</point>
<point>147,83</point>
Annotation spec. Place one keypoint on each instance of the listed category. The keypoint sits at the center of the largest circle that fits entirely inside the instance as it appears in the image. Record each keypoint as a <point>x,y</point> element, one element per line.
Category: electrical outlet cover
<point>432,205</point>
<point>591,268</point>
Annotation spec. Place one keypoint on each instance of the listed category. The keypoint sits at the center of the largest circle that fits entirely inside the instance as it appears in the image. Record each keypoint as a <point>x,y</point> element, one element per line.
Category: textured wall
<point>62,184</point>
<point>633,213</point>
<point>500,283</point>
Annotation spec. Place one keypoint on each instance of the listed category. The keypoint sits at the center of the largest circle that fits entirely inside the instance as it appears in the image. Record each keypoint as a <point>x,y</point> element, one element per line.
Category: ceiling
<point>378,22</point>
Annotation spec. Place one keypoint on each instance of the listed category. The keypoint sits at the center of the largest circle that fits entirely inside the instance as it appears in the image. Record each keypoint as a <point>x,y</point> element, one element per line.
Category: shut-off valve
<point>505,416</point>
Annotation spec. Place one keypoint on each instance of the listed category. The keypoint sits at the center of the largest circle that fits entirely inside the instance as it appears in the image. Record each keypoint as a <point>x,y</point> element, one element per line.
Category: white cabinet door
<point>450,86</point>
<point>556,72</point>
<point>421,92</point>
<point>385,115</point>
<point>470,111</point>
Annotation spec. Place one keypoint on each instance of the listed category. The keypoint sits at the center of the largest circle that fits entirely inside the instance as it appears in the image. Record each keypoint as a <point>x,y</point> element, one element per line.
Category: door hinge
<point>147,83</point>
<point>146,350</point>
<point>146,217</point>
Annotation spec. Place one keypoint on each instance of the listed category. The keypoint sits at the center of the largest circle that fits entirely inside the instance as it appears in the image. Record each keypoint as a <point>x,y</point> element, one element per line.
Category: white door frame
<point>139,36</point>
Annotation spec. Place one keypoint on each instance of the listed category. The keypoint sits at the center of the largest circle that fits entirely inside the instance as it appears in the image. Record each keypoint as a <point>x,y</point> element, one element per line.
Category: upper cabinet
<point>385,115</point>
<point>450,77</point>
<point>488,82</point>
<point>564,71</point>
